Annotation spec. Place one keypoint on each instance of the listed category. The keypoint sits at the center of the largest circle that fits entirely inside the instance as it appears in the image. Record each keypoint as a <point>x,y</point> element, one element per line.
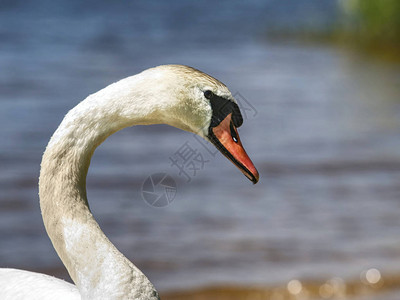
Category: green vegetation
<point>369,27</point>
<point>372,24</point>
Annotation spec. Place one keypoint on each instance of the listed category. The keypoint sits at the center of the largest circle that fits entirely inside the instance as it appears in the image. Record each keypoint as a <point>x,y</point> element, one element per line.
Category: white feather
<point>21,285</point>
<point>167,94</point>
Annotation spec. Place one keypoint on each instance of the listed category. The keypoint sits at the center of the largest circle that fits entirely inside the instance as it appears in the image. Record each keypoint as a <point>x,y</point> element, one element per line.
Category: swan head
<point>201,104</point>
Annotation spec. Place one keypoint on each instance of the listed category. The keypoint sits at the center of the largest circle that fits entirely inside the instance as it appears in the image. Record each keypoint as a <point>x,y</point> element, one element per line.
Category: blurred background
<point>320,85</point>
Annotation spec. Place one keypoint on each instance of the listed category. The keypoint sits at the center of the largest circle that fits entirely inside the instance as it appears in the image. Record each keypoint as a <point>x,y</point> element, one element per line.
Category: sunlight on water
<point>294,287</point>
<point>334,288</point>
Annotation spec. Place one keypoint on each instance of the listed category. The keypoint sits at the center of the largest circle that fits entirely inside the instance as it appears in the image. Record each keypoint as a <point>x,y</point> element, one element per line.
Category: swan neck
<point>93,262</point>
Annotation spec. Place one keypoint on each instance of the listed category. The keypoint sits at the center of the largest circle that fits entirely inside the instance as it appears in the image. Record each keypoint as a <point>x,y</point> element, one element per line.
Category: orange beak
<point>226,138</point>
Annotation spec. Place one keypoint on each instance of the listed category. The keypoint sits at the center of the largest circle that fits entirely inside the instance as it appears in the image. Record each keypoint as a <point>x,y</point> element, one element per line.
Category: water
<point>323,131</point>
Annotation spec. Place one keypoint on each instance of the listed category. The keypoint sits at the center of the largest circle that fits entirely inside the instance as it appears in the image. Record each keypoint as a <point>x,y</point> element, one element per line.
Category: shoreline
<point>374,285</point>
<point>335,288</point>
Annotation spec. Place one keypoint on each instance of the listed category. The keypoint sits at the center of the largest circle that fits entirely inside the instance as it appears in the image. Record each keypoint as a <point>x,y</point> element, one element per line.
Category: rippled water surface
<point>321,124</point>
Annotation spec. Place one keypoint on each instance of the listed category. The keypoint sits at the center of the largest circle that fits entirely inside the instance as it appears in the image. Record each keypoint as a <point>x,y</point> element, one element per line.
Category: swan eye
<point>208,94</point>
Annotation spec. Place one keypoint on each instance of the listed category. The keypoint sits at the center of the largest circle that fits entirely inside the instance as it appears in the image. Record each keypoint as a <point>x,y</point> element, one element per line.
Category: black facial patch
<point>221,107</point>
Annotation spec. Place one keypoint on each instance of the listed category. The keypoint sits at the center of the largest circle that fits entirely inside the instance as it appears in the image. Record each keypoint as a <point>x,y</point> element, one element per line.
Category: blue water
<point>323,128</point>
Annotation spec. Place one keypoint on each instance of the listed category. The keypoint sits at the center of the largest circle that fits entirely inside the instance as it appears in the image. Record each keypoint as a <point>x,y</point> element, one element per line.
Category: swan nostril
<point>233,133</point>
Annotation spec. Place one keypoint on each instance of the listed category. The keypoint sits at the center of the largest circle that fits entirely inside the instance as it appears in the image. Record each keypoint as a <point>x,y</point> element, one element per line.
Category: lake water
<point>322,125</point>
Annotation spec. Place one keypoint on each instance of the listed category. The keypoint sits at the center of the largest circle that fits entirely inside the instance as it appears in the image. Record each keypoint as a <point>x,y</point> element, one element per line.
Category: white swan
<point>176,95</point>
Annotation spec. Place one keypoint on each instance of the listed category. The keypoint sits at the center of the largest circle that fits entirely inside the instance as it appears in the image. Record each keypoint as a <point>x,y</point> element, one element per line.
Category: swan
<point>176,95</point>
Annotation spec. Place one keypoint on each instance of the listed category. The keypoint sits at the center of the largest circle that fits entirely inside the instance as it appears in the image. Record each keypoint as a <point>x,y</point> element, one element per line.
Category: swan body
<point>176,95</point>
<point>20,284</point>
